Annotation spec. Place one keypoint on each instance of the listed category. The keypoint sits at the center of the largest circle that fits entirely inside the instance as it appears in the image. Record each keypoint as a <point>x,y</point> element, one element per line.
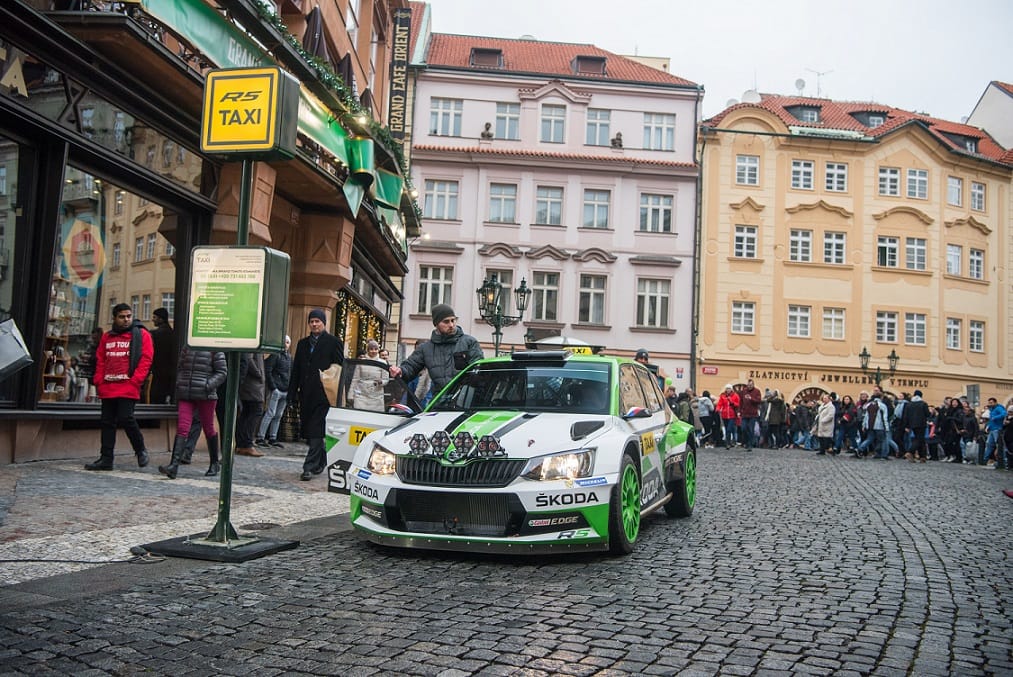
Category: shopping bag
<point>13,351</point>
<point>330,378</point>
<point>971,451</point>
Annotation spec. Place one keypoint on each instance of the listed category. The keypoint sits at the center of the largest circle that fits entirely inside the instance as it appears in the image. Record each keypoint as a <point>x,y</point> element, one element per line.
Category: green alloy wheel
<point>624,514</point>
<point>684,490</point>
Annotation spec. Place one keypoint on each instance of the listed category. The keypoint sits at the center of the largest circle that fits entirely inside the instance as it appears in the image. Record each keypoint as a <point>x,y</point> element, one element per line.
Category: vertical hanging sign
<point>397,106</point>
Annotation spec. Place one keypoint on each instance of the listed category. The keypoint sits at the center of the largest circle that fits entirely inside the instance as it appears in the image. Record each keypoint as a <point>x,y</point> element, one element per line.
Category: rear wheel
<point>624,509</point>
<point>684,489</point>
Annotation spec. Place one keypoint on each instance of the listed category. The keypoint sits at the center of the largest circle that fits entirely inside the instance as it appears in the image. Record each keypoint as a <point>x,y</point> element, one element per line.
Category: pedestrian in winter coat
<point>448,351</point>
<point>914,419</point>
<point>777,417</point>
<point>728,409</point>
<point>825,423</point>
<point>277,372</point>
<point>750,398</point>
<point>251,402</point>
<point>122,362</point>
<point>313,354</point>
<point>198,375</point>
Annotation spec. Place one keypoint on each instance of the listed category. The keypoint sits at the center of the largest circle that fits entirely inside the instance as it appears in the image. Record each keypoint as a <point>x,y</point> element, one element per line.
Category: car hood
<point>522,435</point>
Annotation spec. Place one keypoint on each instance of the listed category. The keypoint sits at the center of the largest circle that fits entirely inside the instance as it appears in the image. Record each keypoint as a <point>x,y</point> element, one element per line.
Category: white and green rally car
<point>531,452</point>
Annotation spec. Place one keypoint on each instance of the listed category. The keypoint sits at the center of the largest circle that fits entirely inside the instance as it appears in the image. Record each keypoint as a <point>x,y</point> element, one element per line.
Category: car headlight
<point>567,465</point>
<point>381,461</point>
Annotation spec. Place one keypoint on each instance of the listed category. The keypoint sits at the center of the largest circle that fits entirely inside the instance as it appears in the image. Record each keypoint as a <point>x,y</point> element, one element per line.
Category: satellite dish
<point>731,102</point>
<point>800,85</point>
<point>527,36</point>
<point>964,120</point>
<point>751,96</point>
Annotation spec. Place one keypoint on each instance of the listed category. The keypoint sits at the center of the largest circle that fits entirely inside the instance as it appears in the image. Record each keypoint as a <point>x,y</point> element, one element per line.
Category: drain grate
<point>259,526</point>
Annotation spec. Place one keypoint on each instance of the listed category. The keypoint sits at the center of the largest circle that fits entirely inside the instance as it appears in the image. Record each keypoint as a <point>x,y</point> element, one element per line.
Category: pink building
<point>562,165</point>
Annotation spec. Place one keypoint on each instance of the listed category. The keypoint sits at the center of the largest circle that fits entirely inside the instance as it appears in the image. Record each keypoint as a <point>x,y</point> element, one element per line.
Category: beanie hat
<point>918,393</point>
<point>642,355</point>
<point>442,311</point>
<point>319,314</point>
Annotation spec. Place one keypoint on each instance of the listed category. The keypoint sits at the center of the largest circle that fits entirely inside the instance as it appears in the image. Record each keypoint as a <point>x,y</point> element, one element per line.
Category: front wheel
<point>624,509</point>
<point>684,489</point>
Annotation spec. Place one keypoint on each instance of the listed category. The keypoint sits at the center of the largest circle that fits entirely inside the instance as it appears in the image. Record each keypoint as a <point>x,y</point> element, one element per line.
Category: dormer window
<point>876,121</point>
<point>971,145</point>
<point>805,113</point>
<point>589,65</point>
<point>486,58</point>
<point>870,119</point>
<point>968,143</point>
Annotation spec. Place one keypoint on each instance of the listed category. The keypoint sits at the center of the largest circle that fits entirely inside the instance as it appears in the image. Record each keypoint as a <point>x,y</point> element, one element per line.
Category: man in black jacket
<point>277,371</point>
<point>914,418</point>
<point>448,351</point>
<point>313,354</point>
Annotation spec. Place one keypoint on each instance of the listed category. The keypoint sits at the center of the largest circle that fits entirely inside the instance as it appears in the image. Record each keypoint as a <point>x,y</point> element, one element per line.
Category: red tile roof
<point>520,153</point>
<point>838,115</point>
<point>543,58</point>
<point>1005,86</point>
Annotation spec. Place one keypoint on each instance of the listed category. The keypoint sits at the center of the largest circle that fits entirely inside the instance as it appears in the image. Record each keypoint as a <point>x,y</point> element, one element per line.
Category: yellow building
<point>832,227</point>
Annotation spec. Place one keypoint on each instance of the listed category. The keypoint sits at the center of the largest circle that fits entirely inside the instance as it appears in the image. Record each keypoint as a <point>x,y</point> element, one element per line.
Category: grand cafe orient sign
<point>228,47</point>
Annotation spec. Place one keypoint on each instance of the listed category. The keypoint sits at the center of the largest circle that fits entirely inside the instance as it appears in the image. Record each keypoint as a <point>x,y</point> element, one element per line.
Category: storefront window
<point>97,219</point>
<point>9,156</point>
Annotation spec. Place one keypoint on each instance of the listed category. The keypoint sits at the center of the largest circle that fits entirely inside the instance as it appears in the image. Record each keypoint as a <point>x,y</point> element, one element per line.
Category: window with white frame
<point>503,203</point>
<point>352,20</point>
<point>116,255</point>
<point>3,179</point>
<point>954,259</point>
<point>146,305</point>
<point>743,317</point>
<point>591,301</point>
<point>135,305</point>
<point>744,246</point>
<point>833,323</point>
<point>435,286</point>
<point>441,200</point>
<point>802,174</point>
<point>799,320</point>
<point>886,327</point>
<point>544,296</point>
<point>834,247</point>
<point>976,336</point>
<point>149,250</point>
<point>118,197</point>
<point>876,121</point>
<point>508,121</point>
<point>138,249</point>
<point>655,213</point>
<point>747,170</point>
<point>169,248</point>
<point>918,183</point>
<point>445,116</point>
<point>553,123</point>
<point>953,332</point>
<point>837,177</point>
<point>889,181</point>
<point>598,127</point>
<point>549,205</point>
<point>887,251</point>
<point>653,297</point>
<point>506,279</point>
<point>169,302</point>
<point>954,191</point>
<point>659,131</point>
<point>596,208</point>
<point>800,245</point>
<point>915,253</point>
<point>976,264</point>
<point>977,196</point>
<point>914,329</point>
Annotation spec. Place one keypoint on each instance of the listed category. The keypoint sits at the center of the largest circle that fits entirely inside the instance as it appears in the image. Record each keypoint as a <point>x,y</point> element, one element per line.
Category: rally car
<point>537,451</point>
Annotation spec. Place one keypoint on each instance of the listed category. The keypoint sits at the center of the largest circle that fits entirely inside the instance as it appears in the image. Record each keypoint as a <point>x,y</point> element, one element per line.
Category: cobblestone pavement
<point>792,563</point>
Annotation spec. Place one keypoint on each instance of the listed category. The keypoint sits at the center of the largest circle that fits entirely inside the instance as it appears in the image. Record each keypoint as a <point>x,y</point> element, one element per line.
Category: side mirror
<point>637,412</point>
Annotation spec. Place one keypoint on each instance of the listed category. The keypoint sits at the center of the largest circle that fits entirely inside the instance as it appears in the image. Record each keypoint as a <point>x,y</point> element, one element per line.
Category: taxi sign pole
<point>223,531</point>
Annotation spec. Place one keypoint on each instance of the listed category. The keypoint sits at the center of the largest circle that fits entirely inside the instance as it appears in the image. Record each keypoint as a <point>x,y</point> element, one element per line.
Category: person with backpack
<point>874,420</point>
<point>122,362</point>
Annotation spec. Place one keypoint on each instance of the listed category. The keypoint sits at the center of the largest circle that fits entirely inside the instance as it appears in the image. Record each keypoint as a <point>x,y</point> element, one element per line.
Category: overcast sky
<point>931,56</point>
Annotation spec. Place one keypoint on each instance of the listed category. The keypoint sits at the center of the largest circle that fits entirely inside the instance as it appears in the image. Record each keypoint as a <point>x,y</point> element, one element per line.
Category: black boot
<point>213,453</point>
<point>178,446</point>
<point>103,463</point>
<point>191,442</point>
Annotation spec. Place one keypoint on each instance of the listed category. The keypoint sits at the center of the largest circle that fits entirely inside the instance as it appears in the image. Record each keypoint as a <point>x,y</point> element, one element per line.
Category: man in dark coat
<point>251,402</point>
<point>448,351</point>
<point>313,354</point>
<point>163,365</point>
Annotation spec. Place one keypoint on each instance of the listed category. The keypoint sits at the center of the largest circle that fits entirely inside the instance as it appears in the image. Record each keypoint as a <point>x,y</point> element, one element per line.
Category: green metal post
<point>223,531</point>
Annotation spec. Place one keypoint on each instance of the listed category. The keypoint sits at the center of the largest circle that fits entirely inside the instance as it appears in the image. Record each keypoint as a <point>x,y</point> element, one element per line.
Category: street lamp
<point>893,358</point>
<point>490,306</point>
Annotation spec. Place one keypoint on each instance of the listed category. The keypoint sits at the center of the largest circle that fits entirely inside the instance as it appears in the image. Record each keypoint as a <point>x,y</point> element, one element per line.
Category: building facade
<point>104,190</point>
<point>830,228</point>
<point>562,166</point>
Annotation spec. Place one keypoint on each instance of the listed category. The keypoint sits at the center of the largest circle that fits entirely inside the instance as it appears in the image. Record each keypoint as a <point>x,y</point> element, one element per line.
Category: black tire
<point>624,508</point>
<point>684,489</point>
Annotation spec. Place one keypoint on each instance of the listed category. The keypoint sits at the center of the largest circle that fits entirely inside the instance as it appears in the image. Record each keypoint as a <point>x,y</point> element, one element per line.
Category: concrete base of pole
<point>198,547</point>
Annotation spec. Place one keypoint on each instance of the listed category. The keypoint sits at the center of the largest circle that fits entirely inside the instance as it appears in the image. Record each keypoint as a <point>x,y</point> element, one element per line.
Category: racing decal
<point>648,444</point>
<point>364,474</point>
<point>561,522</point>
<point>591,482</point>
<point>557,500</point>
<point>337,477</point>
<point>373,512</point>
<point>366,491</point>
<point>579,533</point>
<point>649,490</point>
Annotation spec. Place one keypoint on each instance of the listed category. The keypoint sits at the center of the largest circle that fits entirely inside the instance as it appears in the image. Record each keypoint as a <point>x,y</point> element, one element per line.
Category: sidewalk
<point>58,518</point>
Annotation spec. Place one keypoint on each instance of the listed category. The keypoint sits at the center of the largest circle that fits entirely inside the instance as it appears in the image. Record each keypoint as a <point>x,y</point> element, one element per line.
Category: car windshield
<point>562,387</point>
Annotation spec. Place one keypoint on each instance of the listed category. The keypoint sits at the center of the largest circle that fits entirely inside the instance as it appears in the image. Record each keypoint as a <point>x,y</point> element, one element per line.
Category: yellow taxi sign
<point>250,110</point>
<point>580,350</point>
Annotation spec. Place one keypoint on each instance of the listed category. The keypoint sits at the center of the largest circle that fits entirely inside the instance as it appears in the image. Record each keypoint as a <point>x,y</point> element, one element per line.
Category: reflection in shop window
<point>169,302</point>
<point>87,280</point>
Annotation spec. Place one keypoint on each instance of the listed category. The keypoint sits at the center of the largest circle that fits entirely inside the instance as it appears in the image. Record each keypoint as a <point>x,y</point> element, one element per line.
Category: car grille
<point>434,512</point>
<point>481,473</point>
